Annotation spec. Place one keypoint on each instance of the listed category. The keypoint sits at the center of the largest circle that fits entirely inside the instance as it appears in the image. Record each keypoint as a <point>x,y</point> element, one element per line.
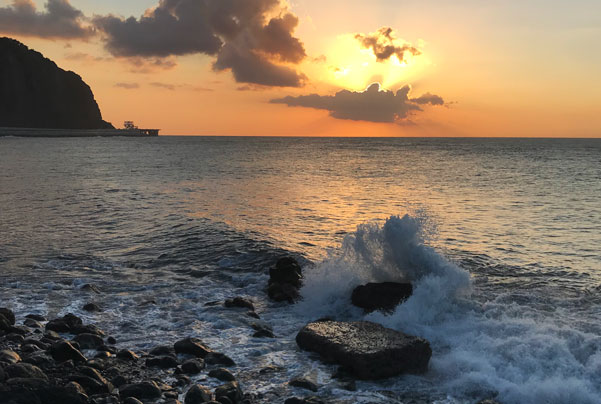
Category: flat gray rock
<point>368,350</point>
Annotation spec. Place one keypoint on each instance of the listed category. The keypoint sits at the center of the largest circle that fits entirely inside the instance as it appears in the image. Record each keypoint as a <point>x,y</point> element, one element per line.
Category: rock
<point>141,391</point>
<point>303,383</point>
<point>89,341</point>
<point>72,393</point>
<point>308,400</point>
<point>51,335</point>
<point>198,394</point>
<point>36,317</point>
<point>8,315</point>
<point>127,355</point>
<point>262,331</point>
<point>132,400</point>
<point>381,296</point>
<point>87,329</point>
<point>64,324</point>
<point>229,390</point>
<point>118,381</point>
<point>5,324</point>
<point>222,374</point>
<point>15,338</point>
<point>104,399</point>
<point>488,401</point>
<point>9,357</point>
<point>271,369</point>
<point>111,340</point>
<point>25,371</point>
<point>162,350</point>
<point>368,350</point>
<point>218,358</point>
<point>193,366</point>
<point>20,330</point>
<point>283,292</point>
<point>163,362</point>
<point>37,343</point>
<point>286,270</point>
<point>28,383</point>
<point>240,302</point>
<point>91,385</point>
<point>64,351</point>
<point>252,314</point>
<point>92,307</point>
<point>39,359</point>
<point>31,323</point>
<point>88,287</point>
<point>192,346</point>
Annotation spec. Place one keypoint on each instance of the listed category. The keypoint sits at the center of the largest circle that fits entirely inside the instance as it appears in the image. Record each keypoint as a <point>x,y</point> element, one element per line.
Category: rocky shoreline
<point>65,361</point>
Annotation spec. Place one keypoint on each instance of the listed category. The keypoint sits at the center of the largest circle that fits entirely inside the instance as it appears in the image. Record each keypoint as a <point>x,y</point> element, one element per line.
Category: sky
<point>329,68</point>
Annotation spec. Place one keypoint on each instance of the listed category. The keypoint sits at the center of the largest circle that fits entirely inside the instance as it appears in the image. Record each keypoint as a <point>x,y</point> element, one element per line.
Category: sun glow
<point>351,67</point>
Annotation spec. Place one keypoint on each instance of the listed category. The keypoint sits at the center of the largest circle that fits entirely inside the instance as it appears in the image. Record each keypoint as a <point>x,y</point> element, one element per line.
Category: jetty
<point>129,130</point>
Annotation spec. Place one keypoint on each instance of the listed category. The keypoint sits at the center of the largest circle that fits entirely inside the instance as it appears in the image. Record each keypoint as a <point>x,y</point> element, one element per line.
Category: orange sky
<point>502,70</point>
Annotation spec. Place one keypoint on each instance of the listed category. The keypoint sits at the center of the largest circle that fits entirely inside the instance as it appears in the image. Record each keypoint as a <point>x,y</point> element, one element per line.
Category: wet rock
<point>218,358</point>
<point>36,317</point>
<point>103,355</point>
<point>193,366</point>
<point>131,400</point>
<point>51,335</point>
<point>72,393</point>
<point>15,338</point>
<point>87,329</point>
<point>4,323</point>
<point>19,329</point>
<point>240,302</point>
<point>262,331</point>
<point>91,385</point>
<point>488,401</point>
<point>111,340</point>
<point>368,350</point>
<point>92,308</point>
<point>270,369</point>
<point>163,362</point>
<point>8,315</point>
<point>198,394</point>
<point>29,348</point>
<point>118,381</point>
<point>25,371</point>
<point>7,356</point>
<point>141,391</point>
<point>381,296</point>
<point>192,346</point>
<point>283,292</point>
<point>28,383</point>
<point>31,323</point>
<point>162,350</point>
<point>285,278</point>
<point>253,314</point>
<point>303,383</point>
<point>222,374</point>
<point>230,391</point>
<point>90,288</point>
<point>89,341</point>
<point>64,324</point>
<point>64,351</point>
<point>104,399</point>
<point>127,355</point>
<point>308,400</point>
<point>37,343</point>
<point>39,359</point>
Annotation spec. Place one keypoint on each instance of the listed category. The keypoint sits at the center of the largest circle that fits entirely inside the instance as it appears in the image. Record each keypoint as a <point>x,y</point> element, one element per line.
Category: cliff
<point>36,93</point>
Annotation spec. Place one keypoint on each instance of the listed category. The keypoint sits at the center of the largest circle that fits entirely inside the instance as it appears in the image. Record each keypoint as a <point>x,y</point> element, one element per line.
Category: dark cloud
<point>384,44</point>
<point>59,20</point>
<point>127,86</point>
<point>252,38</point>
<point>373,104</point>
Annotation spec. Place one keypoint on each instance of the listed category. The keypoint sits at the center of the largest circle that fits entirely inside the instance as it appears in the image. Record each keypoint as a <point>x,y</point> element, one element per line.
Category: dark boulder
<point>31,323</point>
<point>89,341</point>
<point>64,351</point>
<point>230,391</point>
<point>193,366</point>
<point>162,350</point>
<point>198,394</point>
<point>64,324</point>
<point>7,314</point>
<point>92,307</point>
<point>308,400</point>
<point>303,383</point>
<point>283,292</point>
<point>222,374</point>
<point>132,400</point>
<point>163,362</point>
<point>381,296</point>
<point>218,358</point>
<point>36,317</point>
<point>240,302</point>
<point>285,279</point>
<point>368,350</point>
<point>141,391</point>
<point>127,355</point>
<point>9,357</point>
<point>192,346</point>
<point>87,329</point>
<point>25,371</point>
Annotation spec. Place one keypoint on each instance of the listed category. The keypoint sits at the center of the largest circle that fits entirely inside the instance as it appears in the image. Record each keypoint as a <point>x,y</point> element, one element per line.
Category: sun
<point>352,67</point>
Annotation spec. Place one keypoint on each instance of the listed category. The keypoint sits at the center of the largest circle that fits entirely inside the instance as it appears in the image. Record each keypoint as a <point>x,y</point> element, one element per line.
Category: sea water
<point>500,238</point>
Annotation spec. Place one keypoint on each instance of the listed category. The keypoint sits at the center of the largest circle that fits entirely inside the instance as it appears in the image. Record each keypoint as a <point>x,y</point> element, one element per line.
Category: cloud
<point>373,104</point>
<point>127,86</point>
<point>384,45</point>
<point>59,20</point>
<point>251,38</point>
<point>173,87</point>
<point>149,65</point>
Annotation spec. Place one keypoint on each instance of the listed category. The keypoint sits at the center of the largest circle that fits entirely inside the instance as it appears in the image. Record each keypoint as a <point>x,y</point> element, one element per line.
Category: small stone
<point>87,329</point>
<point>111,340</point>
<point>8,314</point>
<point>92,308</point>
<point>131,400</point>
<point>127,355</point>
<point>118,381</point>
<point>17,338</point>
<point>193,366</point>
<point>90,288</point>
<point>240,302</point>
<point>230,390</point>
<point>9,357</point>
<point>163,362</point>
<point>308,400</point>
<point>222,374</point>
<point>161,350</point>
<point>25,371</point>
<point>88,341</point>
<point>31,323</point>
<point>198,394</point>
<point>76,389</point>
<point>253,314</point>
<point>218,358</point>
<point>192,346</point>
<point>64,324</point>
<point>303,383</point>
<point>144,390</point>
<point>36,317</point>
<point>64,351</point>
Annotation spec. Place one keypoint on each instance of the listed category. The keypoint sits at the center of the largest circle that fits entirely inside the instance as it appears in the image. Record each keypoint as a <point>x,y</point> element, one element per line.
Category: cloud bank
<point>372,105</point>
<point>384,45</point>
<point>59,20</point>
<point>252,38</point>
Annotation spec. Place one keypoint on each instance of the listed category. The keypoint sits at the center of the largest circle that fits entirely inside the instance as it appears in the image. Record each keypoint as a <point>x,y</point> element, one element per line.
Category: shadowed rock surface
<point>36,93</point>
<point>381,296</point>
<point>368,350</point>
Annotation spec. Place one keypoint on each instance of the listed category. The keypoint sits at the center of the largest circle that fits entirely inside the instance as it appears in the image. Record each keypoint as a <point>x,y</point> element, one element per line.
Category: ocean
<point>500,238</point>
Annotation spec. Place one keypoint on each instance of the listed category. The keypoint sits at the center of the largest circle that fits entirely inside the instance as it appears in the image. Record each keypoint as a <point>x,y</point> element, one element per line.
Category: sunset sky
<point>303,67</point>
